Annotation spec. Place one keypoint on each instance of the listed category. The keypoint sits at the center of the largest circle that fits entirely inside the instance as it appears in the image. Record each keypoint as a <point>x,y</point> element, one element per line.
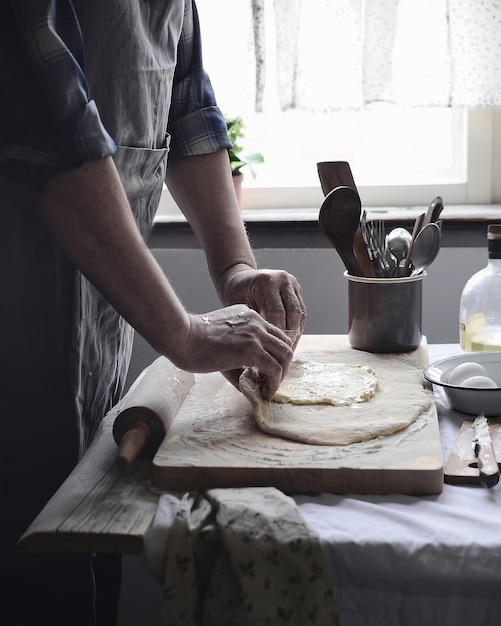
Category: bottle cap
<point>494,231</point>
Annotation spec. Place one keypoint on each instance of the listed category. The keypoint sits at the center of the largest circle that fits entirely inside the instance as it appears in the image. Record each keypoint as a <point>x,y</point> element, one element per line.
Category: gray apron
<point>131,50</point>
<point>64,350</point>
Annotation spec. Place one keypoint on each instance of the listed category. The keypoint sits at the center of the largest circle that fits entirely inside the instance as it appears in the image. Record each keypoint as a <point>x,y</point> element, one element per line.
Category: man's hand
<point>275,294</point>
<point>233,338</point>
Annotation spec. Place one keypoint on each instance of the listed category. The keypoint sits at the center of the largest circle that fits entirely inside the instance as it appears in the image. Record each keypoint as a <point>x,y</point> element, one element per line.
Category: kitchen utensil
<point>471,400</point>
<point>334,174</point>
<point>462,465</point>
<point>433,212</point>
<point>362,254</point>
<point>339,219</point>
<point>366,236</point>
<point>417,227</point>
<point>484,451</point>
<point>397,244</point>
<point>425,248</point>
<point>147,410</point>
<point>376,239</point>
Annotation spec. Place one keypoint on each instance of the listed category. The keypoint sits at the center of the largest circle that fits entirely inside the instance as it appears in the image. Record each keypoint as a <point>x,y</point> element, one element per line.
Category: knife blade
<point>484,451</point>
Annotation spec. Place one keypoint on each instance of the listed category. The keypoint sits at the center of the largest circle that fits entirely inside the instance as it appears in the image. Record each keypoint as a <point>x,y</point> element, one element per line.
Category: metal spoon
<point>339,219</point>
<point>398,241</point>
<point>426,248</point>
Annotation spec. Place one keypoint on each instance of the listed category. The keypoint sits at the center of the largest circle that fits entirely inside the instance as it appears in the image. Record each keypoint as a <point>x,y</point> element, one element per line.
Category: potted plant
<point>238,160</point>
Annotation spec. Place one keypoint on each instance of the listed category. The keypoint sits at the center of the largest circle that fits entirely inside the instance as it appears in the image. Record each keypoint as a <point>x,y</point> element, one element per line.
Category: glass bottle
<point>480,304</point>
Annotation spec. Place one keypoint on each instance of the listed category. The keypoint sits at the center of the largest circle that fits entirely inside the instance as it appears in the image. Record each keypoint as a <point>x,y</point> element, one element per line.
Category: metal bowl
<point>471,400</point>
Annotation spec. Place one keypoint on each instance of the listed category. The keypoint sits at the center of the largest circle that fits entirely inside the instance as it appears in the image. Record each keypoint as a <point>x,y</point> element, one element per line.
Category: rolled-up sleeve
<point>196,124</point>
<point>48,124</point>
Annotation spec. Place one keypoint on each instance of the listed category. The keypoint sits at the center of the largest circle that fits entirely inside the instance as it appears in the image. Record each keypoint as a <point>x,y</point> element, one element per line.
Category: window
<point>399,155</point>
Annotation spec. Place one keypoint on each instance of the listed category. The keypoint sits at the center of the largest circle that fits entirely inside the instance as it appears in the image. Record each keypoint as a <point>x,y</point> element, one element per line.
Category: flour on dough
<point>391,396</point>
<point>310,382</point>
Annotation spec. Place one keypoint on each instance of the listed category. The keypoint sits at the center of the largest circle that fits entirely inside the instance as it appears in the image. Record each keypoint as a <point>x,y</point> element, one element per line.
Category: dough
<point>399,398</point>
<point>309,382</point>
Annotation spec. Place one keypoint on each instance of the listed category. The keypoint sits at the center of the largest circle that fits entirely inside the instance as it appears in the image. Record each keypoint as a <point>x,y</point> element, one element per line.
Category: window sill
<point>462,226</point>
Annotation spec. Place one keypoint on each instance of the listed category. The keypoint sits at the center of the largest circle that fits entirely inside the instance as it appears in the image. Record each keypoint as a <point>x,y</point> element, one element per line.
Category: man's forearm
<point>202,187</point>
<point>87,212</point>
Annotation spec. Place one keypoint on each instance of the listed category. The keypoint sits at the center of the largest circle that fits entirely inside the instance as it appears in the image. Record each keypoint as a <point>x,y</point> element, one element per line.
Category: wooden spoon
<point>339,219</point>
<point>334,174</point>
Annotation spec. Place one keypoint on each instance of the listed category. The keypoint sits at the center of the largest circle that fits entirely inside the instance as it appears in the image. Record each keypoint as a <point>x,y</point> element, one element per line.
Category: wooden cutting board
<point>214,442</point>
<point>461,467</point>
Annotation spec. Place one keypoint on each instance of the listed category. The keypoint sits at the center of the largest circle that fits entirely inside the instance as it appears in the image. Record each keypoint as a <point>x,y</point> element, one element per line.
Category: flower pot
<point>237,182</point>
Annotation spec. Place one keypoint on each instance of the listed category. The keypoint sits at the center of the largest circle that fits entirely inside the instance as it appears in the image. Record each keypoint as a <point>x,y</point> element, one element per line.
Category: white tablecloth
<point>414,560</point>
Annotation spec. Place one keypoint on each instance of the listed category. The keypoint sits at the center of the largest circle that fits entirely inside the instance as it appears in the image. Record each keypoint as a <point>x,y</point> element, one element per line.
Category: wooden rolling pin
<point>146,412</point>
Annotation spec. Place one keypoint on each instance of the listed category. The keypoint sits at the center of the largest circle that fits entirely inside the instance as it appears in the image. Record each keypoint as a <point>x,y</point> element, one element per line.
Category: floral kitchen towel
<point>238,557</point>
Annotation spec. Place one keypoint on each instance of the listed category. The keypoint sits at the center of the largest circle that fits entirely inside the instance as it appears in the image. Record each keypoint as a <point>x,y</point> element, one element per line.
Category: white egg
<point>478,382</point>
<point>464,371</point>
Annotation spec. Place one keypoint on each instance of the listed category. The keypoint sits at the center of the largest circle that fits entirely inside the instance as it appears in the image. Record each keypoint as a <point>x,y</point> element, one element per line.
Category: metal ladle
<point>426,248</point>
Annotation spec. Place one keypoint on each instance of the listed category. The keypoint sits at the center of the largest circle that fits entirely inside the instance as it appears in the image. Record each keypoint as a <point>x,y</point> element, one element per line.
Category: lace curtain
<point>349,54</point>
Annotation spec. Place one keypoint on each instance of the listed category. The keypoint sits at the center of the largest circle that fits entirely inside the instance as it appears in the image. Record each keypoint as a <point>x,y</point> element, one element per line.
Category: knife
<point>486,459</point>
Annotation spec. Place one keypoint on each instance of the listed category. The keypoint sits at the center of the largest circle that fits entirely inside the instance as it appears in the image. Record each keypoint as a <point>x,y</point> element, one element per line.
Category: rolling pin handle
<point>132,443</point>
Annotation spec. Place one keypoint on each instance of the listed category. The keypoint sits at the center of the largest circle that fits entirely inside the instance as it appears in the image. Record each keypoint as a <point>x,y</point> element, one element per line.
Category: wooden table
<point>104,508</point>
<point>396,559</point>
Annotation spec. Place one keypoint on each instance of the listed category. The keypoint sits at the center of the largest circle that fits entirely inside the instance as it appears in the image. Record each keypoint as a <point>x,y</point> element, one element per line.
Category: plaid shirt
<point>48,119</point>
<point>196,124</point>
